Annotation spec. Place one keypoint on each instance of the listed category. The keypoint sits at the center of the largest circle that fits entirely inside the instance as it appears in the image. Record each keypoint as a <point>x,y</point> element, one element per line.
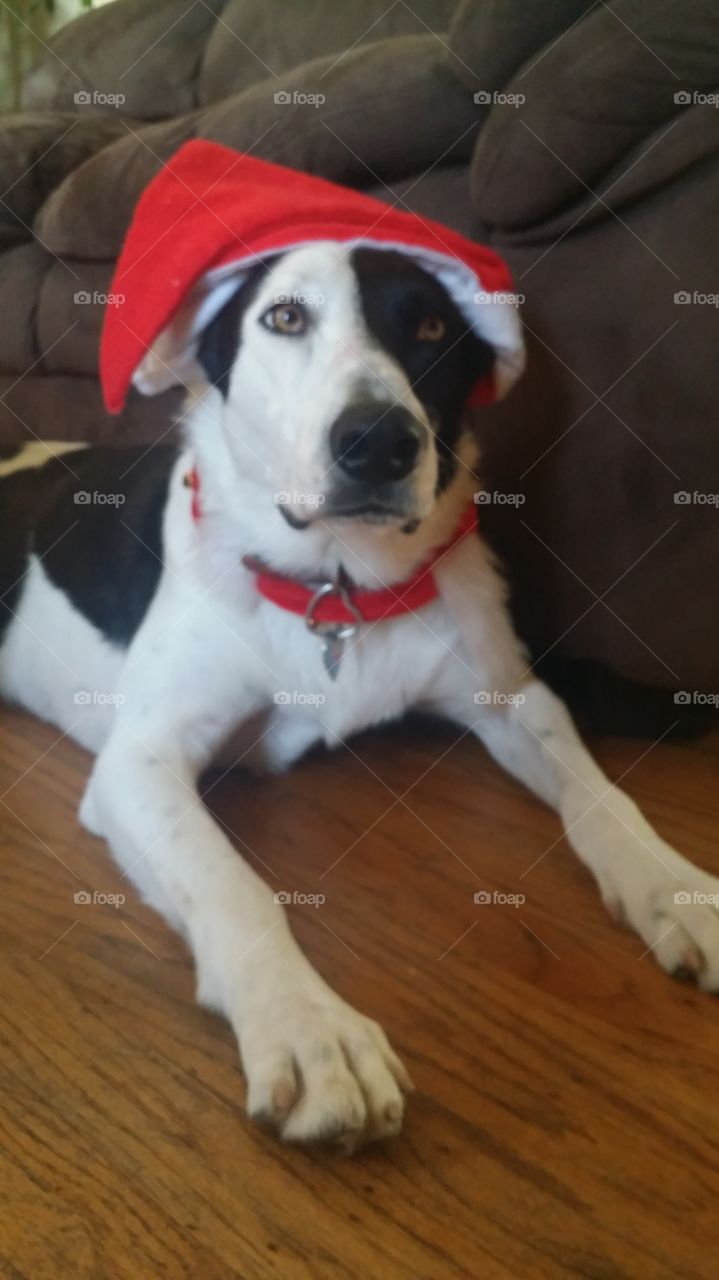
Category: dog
<point>325,445</point>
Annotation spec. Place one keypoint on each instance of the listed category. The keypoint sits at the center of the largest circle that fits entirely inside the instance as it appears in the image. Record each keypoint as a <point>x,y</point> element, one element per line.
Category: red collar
<point>342,602</point>
<point>191,480</point>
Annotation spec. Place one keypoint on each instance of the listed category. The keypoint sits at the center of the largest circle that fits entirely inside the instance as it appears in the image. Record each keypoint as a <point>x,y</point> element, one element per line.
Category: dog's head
<point>340,377</point>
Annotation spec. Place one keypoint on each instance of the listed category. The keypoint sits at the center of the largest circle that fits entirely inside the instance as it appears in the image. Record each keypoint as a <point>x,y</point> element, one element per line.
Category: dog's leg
<point>316,1068</point>
<point>670,903</point>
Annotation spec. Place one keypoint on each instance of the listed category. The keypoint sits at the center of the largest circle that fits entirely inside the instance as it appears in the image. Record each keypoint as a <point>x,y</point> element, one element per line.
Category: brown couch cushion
<point>441,193</point>
<point>490,39</point>
<point>165,58</point>
<point>604,89</point>
<point>264,39</point>
<point>147,53</point>
<point>351,137</point>
<point>36,151</point>
<point>23,268</point>
<point>55,407</point>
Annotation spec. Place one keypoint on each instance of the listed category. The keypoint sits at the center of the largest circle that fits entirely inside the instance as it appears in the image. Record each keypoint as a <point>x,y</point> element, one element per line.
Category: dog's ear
<point>200,339</point>
<point>219,341</point>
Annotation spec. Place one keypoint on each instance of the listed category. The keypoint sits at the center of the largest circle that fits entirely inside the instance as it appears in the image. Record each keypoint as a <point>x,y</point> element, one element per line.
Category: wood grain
<point>566,1119</point>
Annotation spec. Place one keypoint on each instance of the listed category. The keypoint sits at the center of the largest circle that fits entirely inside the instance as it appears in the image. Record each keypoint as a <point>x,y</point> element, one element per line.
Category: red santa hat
<point>212,212</point>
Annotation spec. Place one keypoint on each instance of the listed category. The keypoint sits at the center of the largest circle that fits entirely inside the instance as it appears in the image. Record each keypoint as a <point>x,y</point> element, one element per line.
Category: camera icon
<point>282,97</point>
<point>283,898</point>
<point>682,898</point>
<point>483,498</point>
<point>82,498</point>
<point>283,698</point>
<point>482,897</point>
<point>82,898</point>
<point>682,497</point>
<point>82,698</point>
<point>682,98</point>
<point>682,297</point>
<point>483,97</point>
<point>483,698</point>
<point>82,98</point>
<point>682,699</point>
<point>82,296</point>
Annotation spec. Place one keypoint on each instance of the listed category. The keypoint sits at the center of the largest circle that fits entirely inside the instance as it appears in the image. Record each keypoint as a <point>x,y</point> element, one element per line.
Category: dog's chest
<point>384,669</point>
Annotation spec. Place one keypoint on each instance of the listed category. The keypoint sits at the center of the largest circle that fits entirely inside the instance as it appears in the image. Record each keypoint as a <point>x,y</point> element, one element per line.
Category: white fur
<point>209,659</point>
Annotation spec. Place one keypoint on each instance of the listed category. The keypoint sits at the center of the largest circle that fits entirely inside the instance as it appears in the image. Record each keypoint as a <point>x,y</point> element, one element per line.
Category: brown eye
<point>286,317</point>
<point>431,329</point>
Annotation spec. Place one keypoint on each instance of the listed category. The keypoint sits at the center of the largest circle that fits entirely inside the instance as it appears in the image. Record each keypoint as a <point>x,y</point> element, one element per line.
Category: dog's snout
<point>376,443</point>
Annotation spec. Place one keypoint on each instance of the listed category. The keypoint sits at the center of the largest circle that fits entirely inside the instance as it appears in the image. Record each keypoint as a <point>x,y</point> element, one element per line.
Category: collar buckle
<point>342,630</point>
<point>332,634</point>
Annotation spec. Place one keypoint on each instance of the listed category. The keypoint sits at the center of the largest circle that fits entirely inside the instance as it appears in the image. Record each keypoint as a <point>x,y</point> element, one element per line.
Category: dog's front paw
<point>674,908</point>
<point>319,1071</point>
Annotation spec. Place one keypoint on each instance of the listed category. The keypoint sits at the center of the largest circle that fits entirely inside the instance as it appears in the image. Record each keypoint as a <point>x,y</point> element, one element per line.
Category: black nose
<point>375,442</point>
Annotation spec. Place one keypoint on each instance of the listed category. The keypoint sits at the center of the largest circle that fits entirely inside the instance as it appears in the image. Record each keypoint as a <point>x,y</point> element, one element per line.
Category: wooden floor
<point>566,1120</point>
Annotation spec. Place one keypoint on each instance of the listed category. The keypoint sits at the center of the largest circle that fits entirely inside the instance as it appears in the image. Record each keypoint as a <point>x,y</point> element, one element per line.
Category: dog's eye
<point>431,329</point>
<point>286,317</point>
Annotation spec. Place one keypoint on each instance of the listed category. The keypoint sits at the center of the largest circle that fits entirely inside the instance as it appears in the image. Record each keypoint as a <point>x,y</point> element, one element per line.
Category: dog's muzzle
<point>375,449</point>
<point>375,444</point>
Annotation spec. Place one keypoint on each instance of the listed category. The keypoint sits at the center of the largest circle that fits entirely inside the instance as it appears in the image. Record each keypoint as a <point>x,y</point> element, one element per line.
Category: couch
<point>581,141</point>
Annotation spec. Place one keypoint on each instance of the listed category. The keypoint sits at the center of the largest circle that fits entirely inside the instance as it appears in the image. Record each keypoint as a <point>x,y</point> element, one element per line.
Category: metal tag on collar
<point>332,635</point>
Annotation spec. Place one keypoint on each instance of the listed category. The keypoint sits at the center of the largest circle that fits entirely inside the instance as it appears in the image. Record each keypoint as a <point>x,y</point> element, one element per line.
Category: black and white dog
<point>328,443</point>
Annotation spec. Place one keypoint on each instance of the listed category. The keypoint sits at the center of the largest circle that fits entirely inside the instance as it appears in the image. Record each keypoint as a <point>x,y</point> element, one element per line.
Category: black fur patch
<point>396,296</point>
<point>106,556</point>
<point>220,341</point>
